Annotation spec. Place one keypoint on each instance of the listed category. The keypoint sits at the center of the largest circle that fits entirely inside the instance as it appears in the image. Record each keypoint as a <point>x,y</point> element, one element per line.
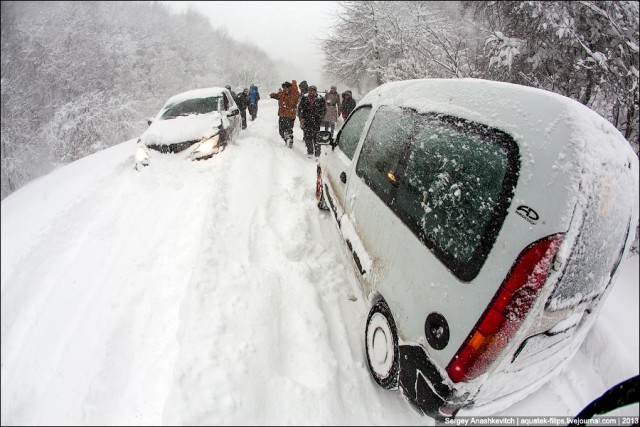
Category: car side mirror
<point>149,121</point>
<point>323,137</point>
<point>233,113</point>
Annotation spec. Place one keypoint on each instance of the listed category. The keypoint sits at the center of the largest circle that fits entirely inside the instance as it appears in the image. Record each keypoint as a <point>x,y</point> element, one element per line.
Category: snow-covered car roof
<point>509,107</point>
<point>195,93</point>
<point>562,133</point>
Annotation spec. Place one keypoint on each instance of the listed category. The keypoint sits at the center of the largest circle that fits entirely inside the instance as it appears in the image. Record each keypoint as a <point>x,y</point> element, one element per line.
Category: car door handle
<point>343,177</point>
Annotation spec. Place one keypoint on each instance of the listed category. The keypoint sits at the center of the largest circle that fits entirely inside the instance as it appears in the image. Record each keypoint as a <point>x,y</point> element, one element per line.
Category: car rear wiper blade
<point>620,395</point>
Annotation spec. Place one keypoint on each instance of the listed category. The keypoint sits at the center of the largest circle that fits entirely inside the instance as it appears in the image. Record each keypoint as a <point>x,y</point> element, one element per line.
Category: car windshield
<point>192,106</point>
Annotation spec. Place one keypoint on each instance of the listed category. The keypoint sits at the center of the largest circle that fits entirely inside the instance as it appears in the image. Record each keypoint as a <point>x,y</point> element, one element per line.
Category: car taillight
<point>506,312</point>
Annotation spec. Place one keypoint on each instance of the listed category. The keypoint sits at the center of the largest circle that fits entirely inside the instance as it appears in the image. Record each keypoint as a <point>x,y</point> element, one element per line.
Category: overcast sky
<point>287,30</point>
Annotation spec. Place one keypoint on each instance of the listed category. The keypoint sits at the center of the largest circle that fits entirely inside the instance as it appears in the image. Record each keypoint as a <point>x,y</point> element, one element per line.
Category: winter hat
<point>347,92</point>
<point>303,83</point>
<point>286,84</point>
<point>313,87</point>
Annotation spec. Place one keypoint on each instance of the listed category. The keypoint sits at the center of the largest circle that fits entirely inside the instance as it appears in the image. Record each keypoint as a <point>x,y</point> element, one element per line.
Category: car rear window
<point>449,180</point>
<point>192,106</point>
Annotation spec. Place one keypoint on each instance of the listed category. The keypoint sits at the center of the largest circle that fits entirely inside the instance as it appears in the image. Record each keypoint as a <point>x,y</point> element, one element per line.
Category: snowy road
<point>194,293</point>
<point>200,293</point>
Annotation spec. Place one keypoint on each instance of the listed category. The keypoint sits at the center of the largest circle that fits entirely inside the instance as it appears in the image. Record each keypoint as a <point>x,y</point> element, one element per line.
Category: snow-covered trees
<point>81,76</point>
<point>378,41</point>
<point>353,53</point>
<point>586,50</point>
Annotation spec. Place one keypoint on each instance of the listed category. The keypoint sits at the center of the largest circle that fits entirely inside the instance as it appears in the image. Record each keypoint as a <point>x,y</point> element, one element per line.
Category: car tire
<point>322,204</point>
<point>381,345</point>
<point>224,137</point>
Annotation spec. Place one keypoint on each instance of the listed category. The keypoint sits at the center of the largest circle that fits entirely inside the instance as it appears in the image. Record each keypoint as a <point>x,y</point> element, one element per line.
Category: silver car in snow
<point>201,122</point>
<point>486,222</point>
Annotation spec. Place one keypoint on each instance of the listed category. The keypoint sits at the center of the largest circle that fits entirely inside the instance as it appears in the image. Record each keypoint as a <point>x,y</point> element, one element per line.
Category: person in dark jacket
<point>233,94</point>
<point>243,102</point>
<point>304,91</point>
<point>254,97</point>
<point>348,103</point>
<point>311,111</point>
<point>304,88</point>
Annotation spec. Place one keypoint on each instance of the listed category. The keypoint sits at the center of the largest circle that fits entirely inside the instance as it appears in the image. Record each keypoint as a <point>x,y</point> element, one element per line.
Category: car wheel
<point>381,343</point>
<point>322,204</point>
<point>224,137</point>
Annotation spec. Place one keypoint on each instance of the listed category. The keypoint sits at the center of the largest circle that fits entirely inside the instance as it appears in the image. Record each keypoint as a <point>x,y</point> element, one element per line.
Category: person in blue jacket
<point>254,97</point>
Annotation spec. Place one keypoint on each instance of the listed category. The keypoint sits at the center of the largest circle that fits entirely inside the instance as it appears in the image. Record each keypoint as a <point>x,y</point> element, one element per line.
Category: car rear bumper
<point>423,385</point>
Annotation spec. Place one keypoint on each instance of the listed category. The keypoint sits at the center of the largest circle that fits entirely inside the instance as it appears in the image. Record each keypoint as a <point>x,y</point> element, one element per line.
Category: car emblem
<point>528,214</point>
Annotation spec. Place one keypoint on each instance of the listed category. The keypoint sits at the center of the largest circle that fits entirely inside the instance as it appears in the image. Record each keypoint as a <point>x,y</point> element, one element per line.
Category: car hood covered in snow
<point>182,129</point>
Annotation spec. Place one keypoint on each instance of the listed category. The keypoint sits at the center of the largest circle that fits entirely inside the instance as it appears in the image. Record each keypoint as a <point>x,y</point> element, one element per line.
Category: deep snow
<point>215,293</point>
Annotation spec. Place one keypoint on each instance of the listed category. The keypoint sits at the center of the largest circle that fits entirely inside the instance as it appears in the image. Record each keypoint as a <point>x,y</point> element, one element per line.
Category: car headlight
<point>208,146</point>
<point>141,157</point>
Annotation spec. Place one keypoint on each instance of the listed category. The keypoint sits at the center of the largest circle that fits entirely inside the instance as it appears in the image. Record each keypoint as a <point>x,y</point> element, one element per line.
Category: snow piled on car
<point>182,129</point>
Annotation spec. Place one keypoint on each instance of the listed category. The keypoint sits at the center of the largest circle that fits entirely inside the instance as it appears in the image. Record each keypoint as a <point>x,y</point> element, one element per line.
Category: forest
<point>78,77</point>
<point>585,50</point>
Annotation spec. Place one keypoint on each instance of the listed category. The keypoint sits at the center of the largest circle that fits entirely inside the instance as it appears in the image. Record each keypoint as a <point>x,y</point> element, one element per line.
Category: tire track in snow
<point>242,232</point>
<point>263,322</point>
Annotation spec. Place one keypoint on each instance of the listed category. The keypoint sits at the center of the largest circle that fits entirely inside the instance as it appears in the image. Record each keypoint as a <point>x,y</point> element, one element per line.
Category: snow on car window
<point>452,185</point>
<point>191,107</point>
<point>383,147</point>
<point>350,133</point>
<point>448,179</point>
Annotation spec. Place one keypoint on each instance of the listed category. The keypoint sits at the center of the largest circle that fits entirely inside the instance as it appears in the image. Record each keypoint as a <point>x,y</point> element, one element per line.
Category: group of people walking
<point>303,102</point>
<point>312,109</point>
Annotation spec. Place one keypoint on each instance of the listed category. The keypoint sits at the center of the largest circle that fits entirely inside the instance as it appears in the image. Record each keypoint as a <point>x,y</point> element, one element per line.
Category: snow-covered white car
<point>200,122</point>
<point>486,222</point>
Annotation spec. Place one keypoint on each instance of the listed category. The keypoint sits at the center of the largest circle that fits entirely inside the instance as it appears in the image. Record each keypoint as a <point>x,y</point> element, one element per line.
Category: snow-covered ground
<point>215,293</point>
